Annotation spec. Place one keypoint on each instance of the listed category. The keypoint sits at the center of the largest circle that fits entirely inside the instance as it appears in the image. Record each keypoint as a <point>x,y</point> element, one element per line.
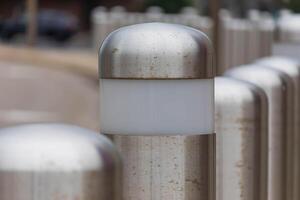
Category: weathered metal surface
<point>280,92</point>
<point>292,69</point>
<point>57,162</point>
<point>242,146</point>
<point>167,167</point>
<point>165,163</point>
<point>156,51</point>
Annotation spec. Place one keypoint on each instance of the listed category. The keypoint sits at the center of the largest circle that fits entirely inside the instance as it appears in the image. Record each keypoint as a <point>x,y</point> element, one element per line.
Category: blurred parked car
<point>1,24</point>
<point>58,25</point>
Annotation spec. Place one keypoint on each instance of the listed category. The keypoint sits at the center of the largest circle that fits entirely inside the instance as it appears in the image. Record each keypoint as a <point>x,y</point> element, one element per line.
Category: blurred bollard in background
<point>242,140</point>
<point>187,17</point>
<point>56,161</point>
<point>289,28</point>
<point>242,41</point>
<point>292,69</point>
<point>280,92</point>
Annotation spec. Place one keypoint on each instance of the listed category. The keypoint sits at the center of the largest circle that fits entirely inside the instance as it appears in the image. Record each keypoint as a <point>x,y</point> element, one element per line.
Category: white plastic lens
<point>157,107</point>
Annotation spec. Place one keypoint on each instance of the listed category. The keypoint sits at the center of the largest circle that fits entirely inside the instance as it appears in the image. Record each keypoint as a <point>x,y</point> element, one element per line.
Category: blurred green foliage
<point>294,5</point>
<point>169,6</point>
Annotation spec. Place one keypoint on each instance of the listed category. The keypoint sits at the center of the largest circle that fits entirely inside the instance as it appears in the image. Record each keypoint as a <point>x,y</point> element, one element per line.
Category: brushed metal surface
<point>57,162</point>
<point>280,92</point>
<point>292,69</point>
<point>156,51</point>
<point>242,145</point>
<point>167,167</point>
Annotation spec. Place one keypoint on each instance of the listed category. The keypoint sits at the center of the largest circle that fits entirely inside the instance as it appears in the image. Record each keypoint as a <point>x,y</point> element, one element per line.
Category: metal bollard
<point>154,14</point>
<point>101,26</point>
<point>239,41</point>
<point>189,10</point>
<point>253,44</point>
<point>118,16</point>
<point>279,89</point>
<point>242,148</point>
<point>157,105</point>
<point>56,161</point>
<point>292,68</point>
<point>266,32</point>
<point>225,41</point>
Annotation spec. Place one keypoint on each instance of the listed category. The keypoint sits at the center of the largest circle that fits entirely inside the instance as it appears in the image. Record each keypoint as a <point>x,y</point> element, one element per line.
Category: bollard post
<point>56,161</point>
<point>157,105</point>
<point>266,34</point>
<point>280,92</point>
<point>189,10</point>
<point>118,16</point>
<point>238,41</point>
<point>154,14</point>
<point>242,146</point>
<point>292,69</point>
<point>101,25</point>
<point>225,35</point>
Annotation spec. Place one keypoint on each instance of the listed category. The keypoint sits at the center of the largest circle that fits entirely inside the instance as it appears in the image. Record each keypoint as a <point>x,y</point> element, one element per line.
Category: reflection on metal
<point>55,161</point>
<point>292,68</point>
<point>280,92</point>
<point>242,130</point>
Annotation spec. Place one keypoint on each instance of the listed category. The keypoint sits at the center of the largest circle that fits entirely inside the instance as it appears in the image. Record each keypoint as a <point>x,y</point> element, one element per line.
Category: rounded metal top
<point>156,51</point>
<point>287,65</point>
<point>232,92</point>
<point>55,147</point>
<point>256,74</point>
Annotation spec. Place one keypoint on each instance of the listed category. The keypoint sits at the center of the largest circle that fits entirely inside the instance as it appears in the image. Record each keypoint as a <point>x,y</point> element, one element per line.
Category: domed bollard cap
<point>56,161</point>
<point>167,61</point>
<point>156,51</point>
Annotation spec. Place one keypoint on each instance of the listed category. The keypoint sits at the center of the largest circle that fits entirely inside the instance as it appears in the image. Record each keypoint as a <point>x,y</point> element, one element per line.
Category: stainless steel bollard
<point>154,14</point>
<point>225,35</point>
<point>242,148</point>
<point>238,41</point>
<point>279,89</point>
<point>266,34</point>
<point>56,161</point>
<point>101,26</point>
<point>118,17</point>
<point>157,104</point>
<point>292,68</point>
<point>189,10</point>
